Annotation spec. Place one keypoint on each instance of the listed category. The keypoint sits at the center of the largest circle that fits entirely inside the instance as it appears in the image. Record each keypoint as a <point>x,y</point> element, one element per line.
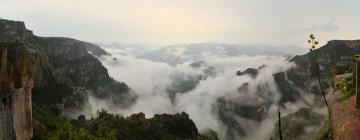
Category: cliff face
<point>348,43</point>
<point>16,83</point>
<point>12,30</point>
<point>63,66</point>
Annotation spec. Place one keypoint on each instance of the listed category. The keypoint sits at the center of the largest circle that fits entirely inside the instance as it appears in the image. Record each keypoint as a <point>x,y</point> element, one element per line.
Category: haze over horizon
<point>179,69</point>
<point>165,23</point>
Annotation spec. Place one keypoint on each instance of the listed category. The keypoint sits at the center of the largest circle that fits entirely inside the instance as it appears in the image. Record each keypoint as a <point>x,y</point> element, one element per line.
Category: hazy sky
<point>168,22</point>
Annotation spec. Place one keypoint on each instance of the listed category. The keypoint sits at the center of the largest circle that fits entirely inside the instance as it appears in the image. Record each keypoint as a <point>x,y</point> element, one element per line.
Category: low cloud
<point>212,100</point>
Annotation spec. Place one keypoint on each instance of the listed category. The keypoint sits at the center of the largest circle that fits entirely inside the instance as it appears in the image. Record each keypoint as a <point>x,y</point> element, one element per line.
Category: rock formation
<point>349,43</point>
<point>12,30</point>
<point>16,83</point>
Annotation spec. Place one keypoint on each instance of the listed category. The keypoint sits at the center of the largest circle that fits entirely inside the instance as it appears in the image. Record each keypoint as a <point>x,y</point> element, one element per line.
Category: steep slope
<point>63,66</point>
<point>16,83</point>
<point>334,58</point>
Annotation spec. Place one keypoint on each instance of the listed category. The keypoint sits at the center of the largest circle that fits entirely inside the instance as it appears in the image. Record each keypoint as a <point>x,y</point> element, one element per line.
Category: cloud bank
<point>241,107</point>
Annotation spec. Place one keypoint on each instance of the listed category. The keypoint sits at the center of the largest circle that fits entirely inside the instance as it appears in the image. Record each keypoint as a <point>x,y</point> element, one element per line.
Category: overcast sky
<point>165,22</point>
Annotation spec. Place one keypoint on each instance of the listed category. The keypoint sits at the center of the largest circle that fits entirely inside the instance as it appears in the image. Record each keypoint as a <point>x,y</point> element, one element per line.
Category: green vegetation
<point>112,127</point>
<point>48,127</point>
<point>347,88</point>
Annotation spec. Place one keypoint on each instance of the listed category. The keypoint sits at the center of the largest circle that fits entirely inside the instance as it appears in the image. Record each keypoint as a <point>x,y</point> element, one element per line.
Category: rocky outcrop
<point>330,56</point>
<point>16,83</point>
<point>284,85</point>
<point>12,30</point>
<point>349,43</point>
<point>249,71</point>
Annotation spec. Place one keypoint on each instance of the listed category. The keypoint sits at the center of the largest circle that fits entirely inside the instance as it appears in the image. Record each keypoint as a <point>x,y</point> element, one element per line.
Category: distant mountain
<point>181,53</point>
<point>127,49</point>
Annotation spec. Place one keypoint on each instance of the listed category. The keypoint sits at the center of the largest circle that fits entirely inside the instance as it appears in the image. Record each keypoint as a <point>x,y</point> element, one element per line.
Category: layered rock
<point>16,83</point>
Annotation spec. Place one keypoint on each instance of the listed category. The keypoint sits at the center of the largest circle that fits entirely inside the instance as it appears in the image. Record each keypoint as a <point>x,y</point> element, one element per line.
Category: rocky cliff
<point>348,43</point>
<point>12,30</point>
<point>16,83</point>
<point>63,67</point>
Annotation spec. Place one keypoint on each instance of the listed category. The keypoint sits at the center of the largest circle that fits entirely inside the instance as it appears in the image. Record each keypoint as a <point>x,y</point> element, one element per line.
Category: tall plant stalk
<point>314,43</point>
<point>279,116</point>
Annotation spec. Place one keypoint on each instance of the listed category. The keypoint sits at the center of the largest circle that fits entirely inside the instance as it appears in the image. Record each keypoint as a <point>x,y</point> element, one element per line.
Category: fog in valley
<point>204,85</point>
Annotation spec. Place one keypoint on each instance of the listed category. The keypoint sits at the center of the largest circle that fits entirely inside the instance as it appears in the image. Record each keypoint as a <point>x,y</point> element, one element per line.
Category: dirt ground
<point>345,118</point>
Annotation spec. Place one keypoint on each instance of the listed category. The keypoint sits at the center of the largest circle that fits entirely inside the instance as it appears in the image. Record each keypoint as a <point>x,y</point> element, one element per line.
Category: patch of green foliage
<point>48,127</point>
<point>347,88</point>
<point>137,127</point>
<point>113,127</point>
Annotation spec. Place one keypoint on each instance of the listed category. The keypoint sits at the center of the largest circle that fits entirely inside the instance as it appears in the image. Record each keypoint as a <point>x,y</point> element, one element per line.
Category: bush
<point>347,89</point>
